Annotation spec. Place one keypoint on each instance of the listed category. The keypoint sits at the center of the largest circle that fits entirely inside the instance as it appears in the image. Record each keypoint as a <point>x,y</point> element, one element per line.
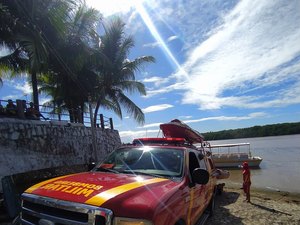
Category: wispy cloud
<point>157,43</point>
<point>4,51</point>
<point>150,125</point>
<point>250,51</point>
<point>156,108</point>
<point>12,97</point>
<point>229,118</point>
<point>165,89</point>
<point>108,8</point>
<point>152,45</point>
<point>254,39</point>
<point>172,38</point>
<point>147,132</point>
<point>130,135</point>
<point>24,87</point>
<point>157,81</point>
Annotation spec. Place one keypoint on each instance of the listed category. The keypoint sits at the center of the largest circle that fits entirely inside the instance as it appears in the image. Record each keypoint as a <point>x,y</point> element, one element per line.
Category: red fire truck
<point>153,181</point>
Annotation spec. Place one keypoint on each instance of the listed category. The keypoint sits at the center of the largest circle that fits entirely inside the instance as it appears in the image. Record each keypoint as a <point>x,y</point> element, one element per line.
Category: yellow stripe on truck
<point>101,198</point>
<point>192,193</point>
<point>36,186</point>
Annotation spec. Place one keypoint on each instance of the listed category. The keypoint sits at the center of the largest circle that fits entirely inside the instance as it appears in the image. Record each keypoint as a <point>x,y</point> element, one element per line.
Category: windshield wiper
<point>106,170</point>
<point>140,173</point>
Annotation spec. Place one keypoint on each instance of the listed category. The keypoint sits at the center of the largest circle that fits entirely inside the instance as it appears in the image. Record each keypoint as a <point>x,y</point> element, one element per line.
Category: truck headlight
<point>129,221</point>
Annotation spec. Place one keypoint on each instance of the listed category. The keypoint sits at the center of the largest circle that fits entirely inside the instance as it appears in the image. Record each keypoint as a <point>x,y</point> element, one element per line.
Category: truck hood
<point>105,189</point>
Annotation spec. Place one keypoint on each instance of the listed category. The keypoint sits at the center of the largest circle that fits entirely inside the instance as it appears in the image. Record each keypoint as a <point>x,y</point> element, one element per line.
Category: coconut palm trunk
<point>35,95</point>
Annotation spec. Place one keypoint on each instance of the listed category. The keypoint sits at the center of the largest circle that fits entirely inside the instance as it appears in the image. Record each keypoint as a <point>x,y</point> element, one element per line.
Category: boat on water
<point>233,155</point>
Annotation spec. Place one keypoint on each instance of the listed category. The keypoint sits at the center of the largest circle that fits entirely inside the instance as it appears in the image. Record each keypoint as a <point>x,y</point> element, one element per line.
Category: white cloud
<point>12,97</point>
<point>172,38</point>
<point>108,8</point>
<point>153,79</point>
<point>156,108</point>
<point>251,49</point>
<point>152,45</point>
<point>24,87</point>
<point>150,125</point>
<point>166,89</point>
<point>229,118</point>
<point>158,43</point>
<point>157,81</point>
<point>4,51</point>
<point>256,37</point>
<point>129,135</point>
<point>43,100</point>
<point>184,117</point>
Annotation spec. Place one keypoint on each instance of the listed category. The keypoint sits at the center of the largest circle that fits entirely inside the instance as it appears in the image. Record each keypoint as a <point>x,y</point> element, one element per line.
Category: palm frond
<point>131,108</point>
<point>132,86</point>
<point>15,62</point>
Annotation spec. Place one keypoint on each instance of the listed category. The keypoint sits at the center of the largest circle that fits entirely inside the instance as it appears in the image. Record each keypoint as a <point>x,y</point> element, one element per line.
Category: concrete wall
<point>30,145</point>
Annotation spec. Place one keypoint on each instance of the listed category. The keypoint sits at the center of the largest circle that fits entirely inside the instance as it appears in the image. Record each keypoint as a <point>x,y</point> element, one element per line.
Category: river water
<point>280,168</point>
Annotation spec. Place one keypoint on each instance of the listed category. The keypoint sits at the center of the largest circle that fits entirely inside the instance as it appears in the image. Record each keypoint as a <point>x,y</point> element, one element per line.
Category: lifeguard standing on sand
<point>246,180</point>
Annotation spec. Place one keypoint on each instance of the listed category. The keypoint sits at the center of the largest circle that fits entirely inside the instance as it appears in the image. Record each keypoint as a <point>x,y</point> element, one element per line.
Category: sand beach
<point>266,207</point>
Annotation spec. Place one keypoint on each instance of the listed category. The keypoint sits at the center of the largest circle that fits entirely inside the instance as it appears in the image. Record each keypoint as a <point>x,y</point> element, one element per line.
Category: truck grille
<point>46,211</point>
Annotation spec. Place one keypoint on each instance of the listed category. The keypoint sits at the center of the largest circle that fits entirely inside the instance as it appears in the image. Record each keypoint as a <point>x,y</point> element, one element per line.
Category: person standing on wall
<point>246,180</point>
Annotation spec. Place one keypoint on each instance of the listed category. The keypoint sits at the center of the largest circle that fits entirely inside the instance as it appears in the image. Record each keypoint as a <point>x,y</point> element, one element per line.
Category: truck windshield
<point>165,162</point>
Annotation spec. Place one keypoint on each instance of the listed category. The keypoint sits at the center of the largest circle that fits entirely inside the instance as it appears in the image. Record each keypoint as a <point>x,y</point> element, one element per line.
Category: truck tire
<point>211,206</point>
<point>180,222</point>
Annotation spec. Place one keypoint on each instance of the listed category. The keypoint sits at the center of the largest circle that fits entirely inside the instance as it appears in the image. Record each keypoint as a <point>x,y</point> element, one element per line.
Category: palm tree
<point>70,80</point>
<point>116,73</point>
<point>25,28</point>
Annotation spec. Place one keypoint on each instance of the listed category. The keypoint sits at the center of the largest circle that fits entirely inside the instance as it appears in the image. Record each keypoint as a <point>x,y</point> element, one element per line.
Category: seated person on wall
<point>24,105</point>
<point>32,113</point>
<point>2,111</point>
<point>11,108</point>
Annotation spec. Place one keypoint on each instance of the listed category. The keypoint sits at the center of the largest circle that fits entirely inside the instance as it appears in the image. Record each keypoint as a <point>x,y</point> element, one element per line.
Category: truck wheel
<point>180,222</point>
<point>211,206</point>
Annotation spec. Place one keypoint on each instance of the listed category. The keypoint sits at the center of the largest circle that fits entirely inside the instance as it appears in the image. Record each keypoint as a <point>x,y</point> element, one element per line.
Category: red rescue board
<point>178,129</point>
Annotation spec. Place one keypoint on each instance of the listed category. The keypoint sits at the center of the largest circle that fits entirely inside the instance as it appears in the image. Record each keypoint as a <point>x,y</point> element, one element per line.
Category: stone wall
<point>27,145</point>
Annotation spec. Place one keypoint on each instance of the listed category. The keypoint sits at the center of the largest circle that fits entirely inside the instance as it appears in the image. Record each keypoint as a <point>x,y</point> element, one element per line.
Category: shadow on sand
<point>222,215</point>
<point>269,209</point>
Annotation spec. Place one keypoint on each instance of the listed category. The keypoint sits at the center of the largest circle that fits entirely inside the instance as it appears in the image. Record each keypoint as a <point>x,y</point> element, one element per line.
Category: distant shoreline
<point>255,131</point>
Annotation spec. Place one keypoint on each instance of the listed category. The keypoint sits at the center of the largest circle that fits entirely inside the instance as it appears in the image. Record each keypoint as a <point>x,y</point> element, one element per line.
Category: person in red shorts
<point>246,181</point>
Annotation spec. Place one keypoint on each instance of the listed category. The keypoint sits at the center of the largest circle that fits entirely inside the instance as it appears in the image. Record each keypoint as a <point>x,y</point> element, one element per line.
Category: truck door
<point>197,193</point>
<point>213,179</point>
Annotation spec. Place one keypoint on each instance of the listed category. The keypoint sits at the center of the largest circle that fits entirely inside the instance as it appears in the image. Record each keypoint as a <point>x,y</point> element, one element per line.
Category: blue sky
<point>219,64</point>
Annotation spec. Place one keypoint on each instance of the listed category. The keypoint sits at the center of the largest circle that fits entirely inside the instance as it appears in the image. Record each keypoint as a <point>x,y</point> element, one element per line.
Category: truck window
<point>193,162</point>
<point>165,162</point>
<point>202,164</point>
<point>211,164</point>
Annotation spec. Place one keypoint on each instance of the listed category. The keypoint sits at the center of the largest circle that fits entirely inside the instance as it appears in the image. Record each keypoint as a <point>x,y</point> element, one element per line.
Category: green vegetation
<point>256,131</point>
<point>56,43</point>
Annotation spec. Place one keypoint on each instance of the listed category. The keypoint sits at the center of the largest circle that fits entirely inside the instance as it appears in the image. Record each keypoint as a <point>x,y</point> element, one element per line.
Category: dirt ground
<point>265,208</point>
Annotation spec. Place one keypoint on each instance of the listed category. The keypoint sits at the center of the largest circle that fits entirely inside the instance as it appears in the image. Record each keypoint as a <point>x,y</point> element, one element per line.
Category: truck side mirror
<point>200,156</point>
<point>200,176</point>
